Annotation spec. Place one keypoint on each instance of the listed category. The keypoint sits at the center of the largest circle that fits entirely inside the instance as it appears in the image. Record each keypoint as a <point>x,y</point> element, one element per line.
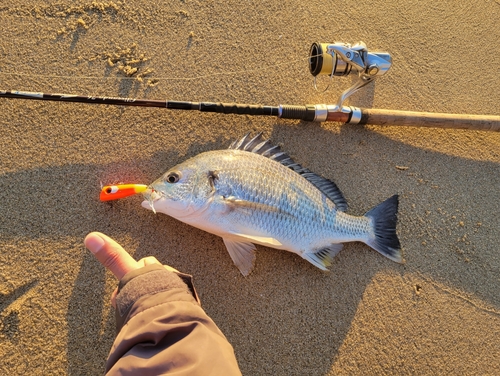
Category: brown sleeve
<point>162,329</point>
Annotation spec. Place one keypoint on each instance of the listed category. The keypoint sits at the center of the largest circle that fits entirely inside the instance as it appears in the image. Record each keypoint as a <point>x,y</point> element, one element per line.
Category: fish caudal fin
<point>385,218</point>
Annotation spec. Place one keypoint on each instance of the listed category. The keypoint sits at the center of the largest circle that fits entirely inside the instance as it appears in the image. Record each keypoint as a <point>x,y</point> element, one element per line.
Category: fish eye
<point>173,177</point>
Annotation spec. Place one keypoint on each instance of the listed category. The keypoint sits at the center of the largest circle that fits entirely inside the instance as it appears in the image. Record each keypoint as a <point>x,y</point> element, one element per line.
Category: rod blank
<point>349,115</point>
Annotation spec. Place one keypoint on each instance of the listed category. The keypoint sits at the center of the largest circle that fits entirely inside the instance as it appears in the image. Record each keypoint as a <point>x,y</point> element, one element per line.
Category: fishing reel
<point>342,59</point>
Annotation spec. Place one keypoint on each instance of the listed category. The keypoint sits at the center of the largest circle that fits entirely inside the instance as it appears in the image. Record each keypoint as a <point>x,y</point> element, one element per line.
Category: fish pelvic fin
<point>266,241</point>
<point>386,240</point>
<point>323,258</point>
<point>242,254</point>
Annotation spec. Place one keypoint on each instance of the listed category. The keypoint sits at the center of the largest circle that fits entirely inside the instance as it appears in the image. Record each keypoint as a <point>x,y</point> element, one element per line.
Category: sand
<point>439,313</point>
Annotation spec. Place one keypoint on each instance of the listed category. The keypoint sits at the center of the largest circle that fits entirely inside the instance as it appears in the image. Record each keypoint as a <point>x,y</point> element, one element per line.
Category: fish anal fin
<point>242,254</point>
<point>323,257</point>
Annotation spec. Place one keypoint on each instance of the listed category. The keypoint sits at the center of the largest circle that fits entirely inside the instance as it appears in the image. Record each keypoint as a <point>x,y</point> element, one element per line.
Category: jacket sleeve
<point>163,329</point>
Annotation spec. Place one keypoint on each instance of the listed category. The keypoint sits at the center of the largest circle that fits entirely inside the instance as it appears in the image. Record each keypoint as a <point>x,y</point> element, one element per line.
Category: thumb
<point>110,254</point>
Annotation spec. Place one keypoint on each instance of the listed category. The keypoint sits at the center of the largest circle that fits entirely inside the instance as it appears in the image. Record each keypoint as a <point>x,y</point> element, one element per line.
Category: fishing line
<point>132,78</point>
<point>334,59</point>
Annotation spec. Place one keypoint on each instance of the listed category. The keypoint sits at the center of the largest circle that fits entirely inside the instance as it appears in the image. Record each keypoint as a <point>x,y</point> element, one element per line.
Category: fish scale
<point>262,193</point>
<point>253,193</point>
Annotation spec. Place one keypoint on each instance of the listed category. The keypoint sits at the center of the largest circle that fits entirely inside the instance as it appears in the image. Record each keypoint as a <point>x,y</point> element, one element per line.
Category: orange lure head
<point>115,192</point>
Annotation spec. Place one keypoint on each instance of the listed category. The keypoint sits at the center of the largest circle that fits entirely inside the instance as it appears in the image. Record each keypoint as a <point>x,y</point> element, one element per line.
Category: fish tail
<point>385,218</point>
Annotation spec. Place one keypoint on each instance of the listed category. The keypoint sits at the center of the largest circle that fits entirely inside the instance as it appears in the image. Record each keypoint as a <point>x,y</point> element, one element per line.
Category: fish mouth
<point>152,195</point>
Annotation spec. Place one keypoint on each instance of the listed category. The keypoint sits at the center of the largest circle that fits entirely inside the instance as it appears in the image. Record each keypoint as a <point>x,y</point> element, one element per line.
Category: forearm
<point>163,328</point>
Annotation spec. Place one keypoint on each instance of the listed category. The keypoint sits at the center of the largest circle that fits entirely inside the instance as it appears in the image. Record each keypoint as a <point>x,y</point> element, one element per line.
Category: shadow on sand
<point>288,303</point>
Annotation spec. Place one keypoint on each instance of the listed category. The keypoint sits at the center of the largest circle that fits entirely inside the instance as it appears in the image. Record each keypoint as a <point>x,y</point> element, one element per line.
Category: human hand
<point>114,258</point>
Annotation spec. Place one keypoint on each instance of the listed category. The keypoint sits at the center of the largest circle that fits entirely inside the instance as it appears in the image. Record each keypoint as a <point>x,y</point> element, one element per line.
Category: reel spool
<point>342,59</point>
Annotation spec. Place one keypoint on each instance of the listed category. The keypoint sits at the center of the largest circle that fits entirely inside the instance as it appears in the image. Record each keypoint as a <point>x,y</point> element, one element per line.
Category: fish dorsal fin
<point>242,254</point>
<point>263,147</point>
<point>323,258</point>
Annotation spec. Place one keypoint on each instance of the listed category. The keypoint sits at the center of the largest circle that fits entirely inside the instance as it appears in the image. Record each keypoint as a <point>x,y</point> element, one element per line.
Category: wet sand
<point>439,313</point>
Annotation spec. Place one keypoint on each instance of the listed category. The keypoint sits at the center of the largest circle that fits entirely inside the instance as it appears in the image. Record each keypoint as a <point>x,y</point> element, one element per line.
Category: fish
<point>254,193</point>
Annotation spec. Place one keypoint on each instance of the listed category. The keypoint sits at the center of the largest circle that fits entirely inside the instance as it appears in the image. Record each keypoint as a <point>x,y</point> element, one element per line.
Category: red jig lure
<point>115,192</point>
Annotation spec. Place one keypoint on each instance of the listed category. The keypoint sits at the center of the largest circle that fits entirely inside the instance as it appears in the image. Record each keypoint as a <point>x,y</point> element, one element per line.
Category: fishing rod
<point>335,59</point>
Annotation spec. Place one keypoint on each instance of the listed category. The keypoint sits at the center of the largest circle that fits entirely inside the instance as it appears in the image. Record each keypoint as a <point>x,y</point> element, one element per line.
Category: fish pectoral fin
<point>323,258</point>
<point>267,241</point>
<point>242,254</point>
<point>248,206</point>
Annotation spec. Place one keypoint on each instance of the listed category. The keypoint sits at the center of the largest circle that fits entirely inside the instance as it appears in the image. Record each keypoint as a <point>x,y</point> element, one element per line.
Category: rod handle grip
<point>428,119</point>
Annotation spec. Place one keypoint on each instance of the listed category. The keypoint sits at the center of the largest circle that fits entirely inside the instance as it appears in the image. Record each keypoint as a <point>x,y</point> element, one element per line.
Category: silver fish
<point>253,193</point>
